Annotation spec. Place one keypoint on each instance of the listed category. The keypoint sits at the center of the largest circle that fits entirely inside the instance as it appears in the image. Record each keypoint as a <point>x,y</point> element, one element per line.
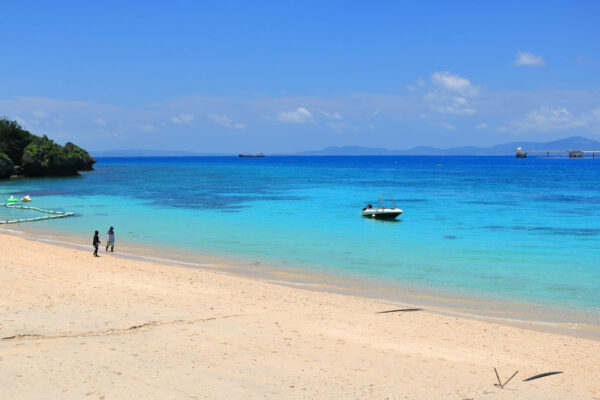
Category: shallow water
<point>500,227</point>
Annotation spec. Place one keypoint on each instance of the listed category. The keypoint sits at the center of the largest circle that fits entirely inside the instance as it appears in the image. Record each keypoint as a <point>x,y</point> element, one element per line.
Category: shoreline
<point>75,326</point>
<point>513,313</point>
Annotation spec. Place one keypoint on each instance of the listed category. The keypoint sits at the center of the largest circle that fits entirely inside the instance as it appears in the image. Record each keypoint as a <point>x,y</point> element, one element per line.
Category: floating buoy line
<point>51,214</point>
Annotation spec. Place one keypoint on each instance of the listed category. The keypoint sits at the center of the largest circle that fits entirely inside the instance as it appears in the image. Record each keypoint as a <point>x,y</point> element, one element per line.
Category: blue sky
<point>287,76</point>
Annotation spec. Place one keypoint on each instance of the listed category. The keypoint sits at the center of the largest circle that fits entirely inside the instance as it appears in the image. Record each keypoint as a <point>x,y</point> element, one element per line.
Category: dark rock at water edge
<point>25,154</point>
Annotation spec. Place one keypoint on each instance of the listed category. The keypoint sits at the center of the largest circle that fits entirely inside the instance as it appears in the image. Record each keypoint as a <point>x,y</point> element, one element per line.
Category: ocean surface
<point>503,228</point>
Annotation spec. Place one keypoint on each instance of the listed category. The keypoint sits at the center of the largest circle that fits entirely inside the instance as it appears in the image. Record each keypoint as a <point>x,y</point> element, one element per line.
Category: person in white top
<point>110,239</point>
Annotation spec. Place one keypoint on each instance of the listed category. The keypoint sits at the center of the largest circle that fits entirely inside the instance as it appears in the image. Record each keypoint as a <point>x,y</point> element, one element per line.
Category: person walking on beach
<point>110,240</point>
<point>96,242</point>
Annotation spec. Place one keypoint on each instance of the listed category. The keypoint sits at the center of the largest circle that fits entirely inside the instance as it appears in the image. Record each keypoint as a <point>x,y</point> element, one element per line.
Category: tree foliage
<point>6,166</point>
<point>13,139</point>
<point>37,156</point>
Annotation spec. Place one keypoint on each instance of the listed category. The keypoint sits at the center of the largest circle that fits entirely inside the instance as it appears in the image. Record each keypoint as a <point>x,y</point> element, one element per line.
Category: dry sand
<point>78,327</point>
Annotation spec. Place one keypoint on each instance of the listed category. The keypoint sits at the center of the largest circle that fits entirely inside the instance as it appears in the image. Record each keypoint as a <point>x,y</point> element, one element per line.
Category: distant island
<point>506,149</point>
<point>25,154</point>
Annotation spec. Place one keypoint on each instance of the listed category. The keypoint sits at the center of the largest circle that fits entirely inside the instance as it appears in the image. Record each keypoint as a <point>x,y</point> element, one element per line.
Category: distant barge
<point>251,155</point>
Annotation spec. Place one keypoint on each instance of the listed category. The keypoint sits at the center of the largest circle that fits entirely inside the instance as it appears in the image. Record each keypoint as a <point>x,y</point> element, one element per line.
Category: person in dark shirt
<point>96,242</point>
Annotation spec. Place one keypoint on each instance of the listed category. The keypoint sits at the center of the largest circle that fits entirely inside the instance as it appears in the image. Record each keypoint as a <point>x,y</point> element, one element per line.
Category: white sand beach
<point>77,327</point>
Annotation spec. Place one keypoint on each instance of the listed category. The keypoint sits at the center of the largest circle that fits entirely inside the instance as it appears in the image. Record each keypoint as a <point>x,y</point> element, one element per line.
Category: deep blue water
<point>519,229</point>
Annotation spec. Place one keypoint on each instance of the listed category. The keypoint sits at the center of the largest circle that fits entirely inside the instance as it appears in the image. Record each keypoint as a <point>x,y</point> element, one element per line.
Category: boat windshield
<point>386,200</point>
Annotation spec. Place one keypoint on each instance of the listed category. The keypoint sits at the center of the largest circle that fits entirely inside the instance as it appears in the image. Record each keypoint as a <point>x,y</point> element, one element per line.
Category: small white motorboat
<point>382,211</point>
<point>26,199</point>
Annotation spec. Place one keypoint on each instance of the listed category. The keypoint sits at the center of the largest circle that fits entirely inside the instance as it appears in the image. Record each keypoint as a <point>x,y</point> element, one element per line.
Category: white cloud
<point>436,104</point>
<point>109,134</point>
<point>58,121</point>
<point>182,118</point>
<point>549,118</point>
<point>441,124</point>
<point>225,121</point>
<point>333,115</point>
<point>526,59</point>
<point>100,121</point>
<point>482,127</point>
<point>147,128</point>
<point>40,114</point>
<point>338,126</point>
<point>444,125</point>
<point>454,83</point>
<point>455,105</point>
<point>300,115</point>
<point>450,93</point>
<point>420,83</point>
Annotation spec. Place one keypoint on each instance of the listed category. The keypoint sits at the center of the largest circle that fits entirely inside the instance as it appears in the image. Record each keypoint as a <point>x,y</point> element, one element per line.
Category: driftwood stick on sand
<point>498,376</point>
<point>500,384</point>
<point>508,380</point>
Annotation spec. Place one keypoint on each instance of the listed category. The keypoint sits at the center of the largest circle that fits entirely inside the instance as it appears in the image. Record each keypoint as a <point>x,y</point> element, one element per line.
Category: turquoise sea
<point>526,230</point>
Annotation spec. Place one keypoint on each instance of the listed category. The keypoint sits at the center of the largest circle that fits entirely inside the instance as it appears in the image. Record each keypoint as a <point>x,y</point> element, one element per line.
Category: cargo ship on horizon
<point>251,155</point>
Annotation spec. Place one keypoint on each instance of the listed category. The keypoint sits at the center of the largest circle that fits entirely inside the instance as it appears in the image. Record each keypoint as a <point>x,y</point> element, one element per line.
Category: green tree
<point>13,139</point>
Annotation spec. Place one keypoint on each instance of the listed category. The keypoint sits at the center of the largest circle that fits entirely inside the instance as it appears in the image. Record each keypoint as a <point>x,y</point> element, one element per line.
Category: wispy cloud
<point>225,121</point>
<point>182,118</point>
<point>549,118</point>
<point>300,115</point>
<point>419,84</point>
<point>147,128</point>
<point>453,105</point>
<point>444,125</point>
<point>440,105</point>
<point>40,114</point>
<point>481,127</point>
<point>526,59</point>
<point>109,134</point>
<point>450,93</point>
<point>454,83</point>
<point>333,115</point>
<point>338,126</point>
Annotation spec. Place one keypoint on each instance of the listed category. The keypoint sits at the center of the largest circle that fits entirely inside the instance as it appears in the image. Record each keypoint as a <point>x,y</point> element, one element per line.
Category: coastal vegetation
<point>25,154</point>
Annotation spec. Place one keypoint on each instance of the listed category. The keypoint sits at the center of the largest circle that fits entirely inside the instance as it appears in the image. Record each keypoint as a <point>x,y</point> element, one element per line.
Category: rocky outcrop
<point>31,155</point>
<point>82,159</point>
